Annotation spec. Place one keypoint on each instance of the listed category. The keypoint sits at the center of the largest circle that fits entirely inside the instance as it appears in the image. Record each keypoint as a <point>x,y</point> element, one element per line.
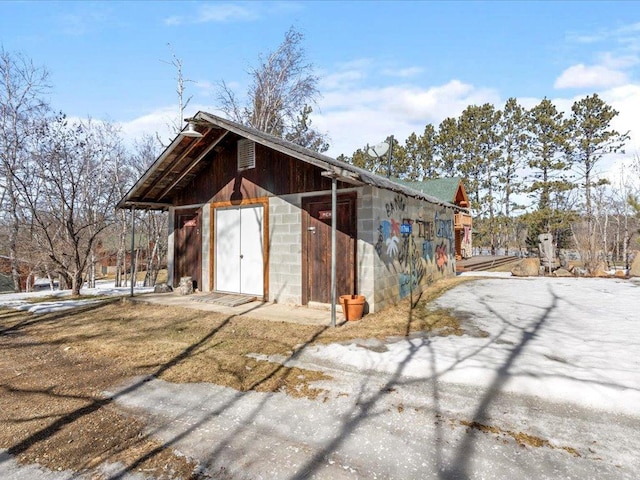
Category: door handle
<point>311,229</point>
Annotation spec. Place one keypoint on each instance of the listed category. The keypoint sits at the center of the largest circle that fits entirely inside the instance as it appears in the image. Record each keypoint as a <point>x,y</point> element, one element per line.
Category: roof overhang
<point>183,159</point>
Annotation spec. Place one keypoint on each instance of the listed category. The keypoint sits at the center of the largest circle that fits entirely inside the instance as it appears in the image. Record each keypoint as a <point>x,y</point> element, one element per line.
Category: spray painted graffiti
<point>444,227</point>
<point>407,283</point>
<point>427,250</point>
<point>395,227</point>
<point>415,257</point>
<point>425,229</point>
<point>398,204</point>
<point>442,256</point>
<point>392,246</point>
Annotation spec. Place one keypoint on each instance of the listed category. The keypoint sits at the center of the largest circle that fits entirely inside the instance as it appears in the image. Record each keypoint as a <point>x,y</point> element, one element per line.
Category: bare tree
<point>22,87</point>
<point>176,62</point>
<point>622,189</point>
<point>283,88</point>
<point>73,202</point>
<point>154,224</point>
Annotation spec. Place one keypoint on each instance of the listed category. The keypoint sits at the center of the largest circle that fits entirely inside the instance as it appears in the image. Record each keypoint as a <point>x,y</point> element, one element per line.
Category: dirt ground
<point>55,367</point>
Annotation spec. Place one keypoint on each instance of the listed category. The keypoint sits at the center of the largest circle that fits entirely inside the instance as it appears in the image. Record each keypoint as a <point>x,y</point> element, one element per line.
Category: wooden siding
<point>275,174</point>
<point>462,220</point>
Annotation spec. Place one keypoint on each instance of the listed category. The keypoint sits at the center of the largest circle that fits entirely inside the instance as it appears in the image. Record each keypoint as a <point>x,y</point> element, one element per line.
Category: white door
<point>239,253</point>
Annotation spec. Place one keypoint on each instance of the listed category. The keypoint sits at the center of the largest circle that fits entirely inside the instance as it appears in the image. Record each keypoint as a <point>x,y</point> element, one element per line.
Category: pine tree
<point>548,135</point>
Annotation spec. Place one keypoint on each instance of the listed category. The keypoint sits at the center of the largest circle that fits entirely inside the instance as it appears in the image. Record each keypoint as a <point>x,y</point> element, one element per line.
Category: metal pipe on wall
<point>334,199</point>
<point>133,237</point>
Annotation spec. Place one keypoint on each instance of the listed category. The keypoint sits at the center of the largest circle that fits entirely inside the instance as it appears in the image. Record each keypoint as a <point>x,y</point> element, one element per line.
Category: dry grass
<point>401,320</point>
<point>54,368</point>
<point>521,438</point>
<point>52,411</point>
<point>185,345</point>
<point>179,345</point>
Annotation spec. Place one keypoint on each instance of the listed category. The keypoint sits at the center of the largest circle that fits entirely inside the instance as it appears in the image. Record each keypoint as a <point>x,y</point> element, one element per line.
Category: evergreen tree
<point>422,162</point>
<point>548,135</point>
<point>592,137</point>
<point>448,147</point>
<point>480,161</point>
<point>514,149</point>
<point>515,145</point>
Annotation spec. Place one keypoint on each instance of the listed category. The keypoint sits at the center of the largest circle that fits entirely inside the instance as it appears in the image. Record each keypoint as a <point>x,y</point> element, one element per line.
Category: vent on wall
<point>246,154</point>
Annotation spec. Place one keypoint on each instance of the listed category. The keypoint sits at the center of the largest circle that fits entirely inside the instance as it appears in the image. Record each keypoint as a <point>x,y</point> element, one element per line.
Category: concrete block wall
<point>366,255</point>
<point>285,250</point>
<point>402,264</point>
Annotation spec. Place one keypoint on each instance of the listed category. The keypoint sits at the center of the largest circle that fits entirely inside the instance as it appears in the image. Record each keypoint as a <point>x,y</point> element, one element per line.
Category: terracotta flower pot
<point>352,306</point>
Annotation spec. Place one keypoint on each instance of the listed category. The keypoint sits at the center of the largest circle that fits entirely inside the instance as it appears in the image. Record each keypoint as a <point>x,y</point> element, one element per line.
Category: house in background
<point>452,190</point>
<point>6,277</point>
<point>250,213</point>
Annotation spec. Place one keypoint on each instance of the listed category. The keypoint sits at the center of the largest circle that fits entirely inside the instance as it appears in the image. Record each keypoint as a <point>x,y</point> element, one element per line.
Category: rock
<point>600,273</point>
<point>579,271</point>
<point>562,272</point>
<point>162,288</point>
<point>634,271</point>
<point>529,267</point>
<point>186,286</point>
<point>547,250</point>
<point>620,274</point>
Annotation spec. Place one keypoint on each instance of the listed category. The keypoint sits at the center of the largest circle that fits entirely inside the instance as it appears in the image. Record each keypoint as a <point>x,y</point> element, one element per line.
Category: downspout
<point>334,197</point>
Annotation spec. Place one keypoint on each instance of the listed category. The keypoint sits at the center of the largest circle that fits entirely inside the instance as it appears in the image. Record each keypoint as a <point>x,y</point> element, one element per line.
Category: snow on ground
<point>23,301</point>
<point>561,339</point>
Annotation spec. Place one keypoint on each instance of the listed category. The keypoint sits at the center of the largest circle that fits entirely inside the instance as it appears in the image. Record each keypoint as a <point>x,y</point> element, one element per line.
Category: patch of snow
<point>485,274</point>
<point>24,300</point>
<point>570,340</point>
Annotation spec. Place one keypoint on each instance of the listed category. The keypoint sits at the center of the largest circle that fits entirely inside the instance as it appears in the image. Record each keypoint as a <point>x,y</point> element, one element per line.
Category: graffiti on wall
<point>397,205</point>
<point>430,243</point>
<point>444,227</point>
<point>427,250</point>
<point>442,256</point>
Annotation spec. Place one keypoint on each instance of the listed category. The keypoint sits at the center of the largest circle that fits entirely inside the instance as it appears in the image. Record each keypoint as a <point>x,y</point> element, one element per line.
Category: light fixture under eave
<point>191,131</point>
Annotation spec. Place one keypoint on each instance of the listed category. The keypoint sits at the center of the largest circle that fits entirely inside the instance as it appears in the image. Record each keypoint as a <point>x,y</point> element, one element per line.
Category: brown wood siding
<point>274,174</point>
<point>316,247</point>
<point>188,247</point>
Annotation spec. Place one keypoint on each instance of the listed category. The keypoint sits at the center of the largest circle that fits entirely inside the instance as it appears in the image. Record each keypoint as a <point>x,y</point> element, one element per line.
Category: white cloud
<point>217,12</point>
<point>86,19</point>
<point>153,123</point>
<point>225,12</point>
<point>206,88</point>
<point>340,80</point>
<point>618,61</point>
<point>595,76</point>
<point>354,117</point>
<point>403,72</point>
<point>159,122</point>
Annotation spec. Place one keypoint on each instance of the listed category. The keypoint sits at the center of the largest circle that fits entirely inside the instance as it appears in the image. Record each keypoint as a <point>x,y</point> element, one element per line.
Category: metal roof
<point>183,159</point>
<point>443,188</point>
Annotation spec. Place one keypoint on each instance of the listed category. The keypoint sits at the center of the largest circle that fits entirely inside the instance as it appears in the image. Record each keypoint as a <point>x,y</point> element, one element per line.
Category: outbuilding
<point>451,189</point>
<point>253,214</point>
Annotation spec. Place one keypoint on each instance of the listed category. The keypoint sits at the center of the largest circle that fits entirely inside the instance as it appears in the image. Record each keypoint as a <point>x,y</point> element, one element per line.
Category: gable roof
<point>181,161</point>
<point>447,189</point>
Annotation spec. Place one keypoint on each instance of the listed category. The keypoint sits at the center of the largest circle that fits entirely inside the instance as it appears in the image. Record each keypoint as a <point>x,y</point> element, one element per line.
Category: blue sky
<point>385,67</point>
